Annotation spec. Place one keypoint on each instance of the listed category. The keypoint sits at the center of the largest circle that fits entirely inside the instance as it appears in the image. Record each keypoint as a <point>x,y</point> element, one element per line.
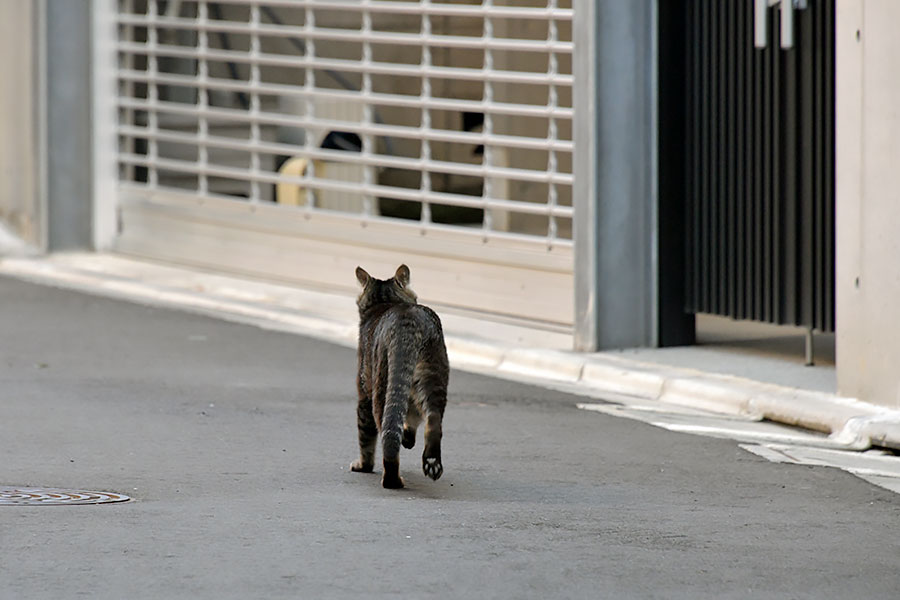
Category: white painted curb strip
<point>850,422</point>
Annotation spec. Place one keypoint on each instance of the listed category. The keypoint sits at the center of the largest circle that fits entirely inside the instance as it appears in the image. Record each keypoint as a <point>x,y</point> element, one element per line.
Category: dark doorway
<point>750,161</point>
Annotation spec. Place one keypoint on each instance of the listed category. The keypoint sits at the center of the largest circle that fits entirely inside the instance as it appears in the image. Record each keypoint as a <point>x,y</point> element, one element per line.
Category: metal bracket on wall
<point>760,19</point>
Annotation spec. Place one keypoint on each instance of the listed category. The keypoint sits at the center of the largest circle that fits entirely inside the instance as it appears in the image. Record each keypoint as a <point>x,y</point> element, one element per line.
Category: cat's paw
<point>432,467</point>
<point>359,467</point>
<point>391,477</point>
<point>392,482</point>
<point>409,438</point>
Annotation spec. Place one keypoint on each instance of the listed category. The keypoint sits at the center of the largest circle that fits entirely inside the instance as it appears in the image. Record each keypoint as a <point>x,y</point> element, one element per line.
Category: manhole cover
<point>41,496</point>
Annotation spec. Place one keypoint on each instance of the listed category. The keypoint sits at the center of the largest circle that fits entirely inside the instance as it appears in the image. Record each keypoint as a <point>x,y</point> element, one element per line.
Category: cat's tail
<point>401,364</point>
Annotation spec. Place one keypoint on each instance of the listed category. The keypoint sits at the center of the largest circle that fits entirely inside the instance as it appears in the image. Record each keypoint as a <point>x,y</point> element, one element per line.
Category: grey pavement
<point>235,443</point>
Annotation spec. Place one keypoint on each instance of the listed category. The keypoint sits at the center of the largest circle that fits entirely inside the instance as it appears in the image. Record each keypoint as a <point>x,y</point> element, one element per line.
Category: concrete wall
<point>45,122</point>
<point>69,139</point>
<point>20,147</point>
<point>868,200</point>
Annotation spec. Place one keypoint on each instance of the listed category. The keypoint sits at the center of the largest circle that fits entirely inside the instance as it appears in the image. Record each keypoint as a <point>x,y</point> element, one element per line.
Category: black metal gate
<point>759,164</point>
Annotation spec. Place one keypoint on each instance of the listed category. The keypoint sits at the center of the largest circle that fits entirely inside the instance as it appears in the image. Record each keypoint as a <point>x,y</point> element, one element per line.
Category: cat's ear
<point>362,277</point>
<point>402,275</point>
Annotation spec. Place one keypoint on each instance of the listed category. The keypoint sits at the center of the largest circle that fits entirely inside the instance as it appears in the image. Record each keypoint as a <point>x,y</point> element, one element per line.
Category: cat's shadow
<point>424,488</point>
<point>467,488</point>
<point>415,486</point>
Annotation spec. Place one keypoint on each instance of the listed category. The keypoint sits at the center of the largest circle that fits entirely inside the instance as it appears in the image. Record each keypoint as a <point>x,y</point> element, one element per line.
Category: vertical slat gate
<point>759,165</point>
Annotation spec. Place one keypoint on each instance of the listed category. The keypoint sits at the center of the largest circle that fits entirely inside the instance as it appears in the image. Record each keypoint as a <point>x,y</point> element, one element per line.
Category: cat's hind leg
<point>430,396</point>
<point>391,438</point>
<point>396,407</point>
<point>434,416</point>
<point>413,418</point>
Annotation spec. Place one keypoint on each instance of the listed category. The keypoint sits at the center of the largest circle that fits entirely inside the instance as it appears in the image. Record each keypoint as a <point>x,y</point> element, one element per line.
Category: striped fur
<point>402,376</point>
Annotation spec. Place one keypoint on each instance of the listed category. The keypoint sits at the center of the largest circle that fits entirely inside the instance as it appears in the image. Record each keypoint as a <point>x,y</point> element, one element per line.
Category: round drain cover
<point>40,496</point>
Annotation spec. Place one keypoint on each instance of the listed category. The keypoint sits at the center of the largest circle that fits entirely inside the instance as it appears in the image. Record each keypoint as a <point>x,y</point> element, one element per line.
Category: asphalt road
<point>235,444</point>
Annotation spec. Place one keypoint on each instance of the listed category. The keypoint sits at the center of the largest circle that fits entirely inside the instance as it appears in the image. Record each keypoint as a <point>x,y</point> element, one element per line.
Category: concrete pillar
<point>69,146</point>
<point>868,200</point>
<point>628,292</point>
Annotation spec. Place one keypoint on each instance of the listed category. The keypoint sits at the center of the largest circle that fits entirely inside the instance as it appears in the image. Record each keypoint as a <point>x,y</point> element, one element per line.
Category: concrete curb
<point>851,423</point>
<point>551,365</point>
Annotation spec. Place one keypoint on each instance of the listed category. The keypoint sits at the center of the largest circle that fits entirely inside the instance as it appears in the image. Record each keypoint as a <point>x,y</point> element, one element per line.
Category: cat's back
<point>409,320</point>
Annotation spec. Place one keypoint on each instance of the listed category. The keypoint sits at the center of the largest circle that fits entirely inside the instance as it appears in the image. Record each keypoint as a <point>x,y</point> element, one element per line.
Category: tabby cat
<point>402,376</point>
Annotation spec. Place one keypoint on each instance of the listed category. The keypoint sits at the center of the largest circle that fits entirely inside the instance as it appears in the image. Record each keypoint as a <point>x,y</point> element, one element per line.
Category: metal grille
<point>445,115</point>
<point>759,166</point>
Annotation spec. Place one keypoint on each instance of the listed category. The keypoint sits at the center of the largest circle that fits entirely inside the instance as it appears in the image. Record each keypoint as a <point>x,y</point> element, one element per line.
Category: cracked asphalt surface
<point>235,443</point>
